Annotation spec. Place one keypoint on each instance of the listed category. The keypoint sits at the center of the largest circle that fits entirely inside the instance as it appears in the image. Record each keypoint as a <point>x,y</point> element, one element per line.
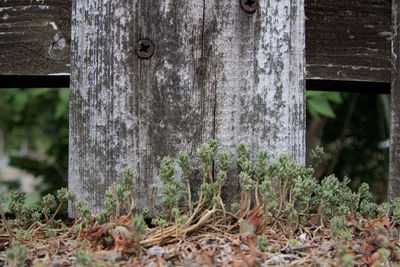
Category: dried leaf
<point>254,223</point>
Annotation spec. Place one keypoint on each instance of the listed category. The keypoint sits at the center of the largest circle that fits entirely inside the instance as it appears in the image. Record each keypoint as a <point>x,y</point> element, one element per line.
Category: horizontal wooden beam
<point>348,86</point>
<point>345,40</point>
<point>348,40</point>
<point>34,37</point>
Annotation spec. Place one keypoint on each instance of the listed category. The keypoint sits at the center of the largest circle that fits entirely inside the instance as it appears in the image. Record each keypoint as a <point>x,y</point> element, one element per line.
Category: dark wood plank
<point>345,40</point>
<point>348,40</point>
<point>34,37</point>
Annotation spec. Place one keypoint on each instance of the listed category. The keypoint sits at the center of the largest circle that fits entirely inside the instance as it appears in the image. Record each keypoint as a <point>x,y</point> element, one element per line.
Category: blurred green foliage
<point>360,158</point>
<point>319,103</point>
<point>352,133</point>
<point>38,116</point>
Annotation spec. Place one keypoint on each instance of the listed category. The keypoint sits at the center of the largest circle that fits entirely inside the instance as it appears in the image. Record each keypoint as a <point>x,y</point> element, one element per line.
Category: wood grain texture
<point>216,72</point>
<point>256,68</point>
<point>345,40</point>
<point>394,157</point>
<point>348,40</point>
<point>34,37</point>
<point>127,111</point>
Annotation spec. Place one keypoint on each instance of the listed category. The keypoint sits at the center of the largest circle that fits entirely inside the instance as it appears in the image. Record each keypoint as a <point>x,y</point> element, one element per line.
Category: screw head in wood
<point>144,48</point>
<point>249,6</point>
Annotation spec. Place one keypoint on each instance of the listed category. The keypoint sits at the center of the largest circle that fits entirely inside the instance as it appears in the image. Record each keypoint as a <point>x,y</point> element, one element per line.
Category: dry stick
<point>201,222</point>
<point>70,229</point>
<point>198,208</point>
<point>156,239</point>
<point>55,213</point>
<point>5,222</point>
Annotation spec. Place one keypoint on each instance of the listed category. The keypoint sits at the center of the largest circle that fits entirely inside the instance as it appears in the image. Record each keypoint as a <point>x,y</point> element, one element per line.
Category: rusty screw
<point>144,48</point>
<point>249,5</point>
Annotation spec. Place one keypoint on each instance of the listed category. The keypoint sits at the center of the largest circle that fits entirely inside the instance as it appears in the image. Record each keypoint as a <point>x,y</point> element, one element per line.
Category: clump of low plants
<point>262,242</point>
<point>279,192</point>
<point>17,254</point>
<point>83,259</point>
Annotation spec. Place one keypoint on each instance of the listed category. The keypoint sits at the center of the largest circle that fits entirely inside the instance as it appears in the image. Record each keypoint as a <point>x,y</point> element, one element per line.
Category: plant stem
<point>256,191</point>
<point>198,208</point>
<point>5,222</point>
<point>55,213</point>
<point>201,222</point>
<point>189,195</point>
<point>153,205</point>
<point>211,179</point>
<point>117,203</point>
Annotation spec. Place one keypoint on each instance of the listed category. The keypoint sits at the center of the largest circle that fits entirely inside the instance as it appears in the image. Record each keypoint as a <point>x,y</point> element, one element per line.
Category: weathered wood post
<point>394,158</point>
<point>233,70</point>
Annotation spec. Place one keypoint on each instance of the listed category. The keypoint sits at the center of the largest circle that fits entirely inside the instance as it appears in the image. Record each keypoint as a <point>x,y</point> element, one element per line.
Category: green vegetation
<point>43,113</point>
<point>277,192</point>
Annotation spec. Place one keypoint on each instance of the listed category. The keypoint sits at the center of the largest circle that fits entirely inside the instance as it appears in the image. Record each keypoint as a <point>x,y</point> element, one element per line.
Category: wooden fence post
<point>217,71</point>
<point>394,162</point>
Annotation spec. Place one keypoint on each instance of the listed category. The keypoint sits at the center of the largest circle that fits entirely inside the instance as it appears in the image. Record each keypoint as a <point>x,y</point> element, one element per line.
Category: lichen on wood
<point>216,71</point>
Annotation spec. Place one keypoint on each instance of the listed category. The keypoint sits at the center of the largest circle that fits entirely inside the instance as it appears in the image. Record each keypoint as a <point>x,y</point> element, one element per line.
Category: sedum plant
<point>172,189</point>
<point>184,164</point>
<point>6,223</point>
<point>17,254</point>
<point>283,191</point>
<point>138,227</point>
<point>16,205</point>
<point>262,242</point>
<point>83,259</point>
<point>49,202</point>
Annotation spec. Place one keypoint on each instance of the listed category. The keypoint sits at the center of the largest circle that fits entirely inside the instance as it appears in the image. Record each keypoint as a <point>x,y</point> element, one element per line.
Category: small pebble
<point>244,247</point>
<point>156,251</point>
<point>113,255</point>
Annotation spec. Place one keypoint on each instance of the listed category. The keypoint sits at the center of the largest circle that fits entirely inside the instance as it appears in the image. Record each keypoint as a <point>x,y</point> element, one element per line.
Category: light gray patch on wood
<point>256,67</point>
<point>127,111</point>
<point>394,157</point>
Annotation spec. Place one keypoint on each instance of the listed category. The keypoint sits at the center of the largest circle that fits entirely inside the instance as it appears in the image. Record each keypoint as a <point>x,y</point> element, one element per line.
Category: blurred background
<point>353,128</point>
<point>34,140</point>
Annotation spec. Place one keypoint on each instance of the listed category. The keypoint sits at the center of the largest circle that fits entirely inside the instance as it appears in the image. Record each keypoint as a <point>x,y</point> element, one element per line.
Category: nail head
<point>144,48</point>
<point>249,6</point>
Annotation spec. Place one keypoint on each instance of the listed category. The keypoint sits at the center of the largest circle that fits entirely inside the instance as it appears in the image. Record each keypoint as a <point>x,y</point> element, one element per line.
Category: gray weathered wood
<point>345,40</point>
<point>127,111</point>
<point>256,67</point>
<point>394,158</point>
<point>34,37</point>
<point>216,72</point>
